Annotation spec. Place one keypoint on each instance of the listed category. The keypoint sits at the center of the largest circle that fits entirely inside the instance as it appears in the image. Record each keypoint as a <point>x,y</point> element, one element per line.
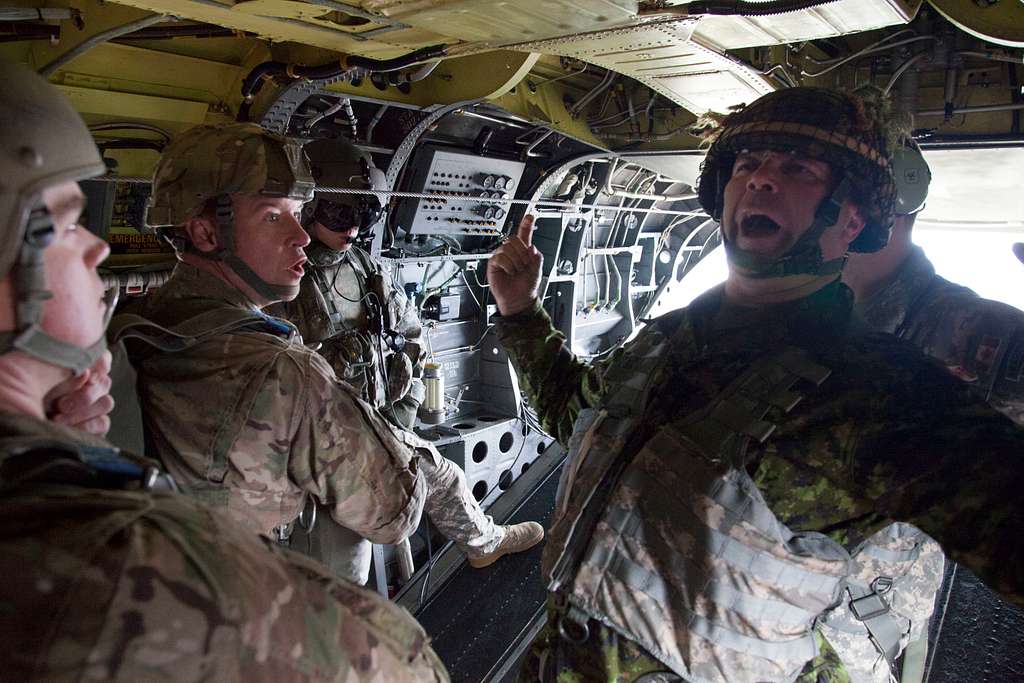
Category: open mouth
<point>298,268</point>
<point>758,225</point>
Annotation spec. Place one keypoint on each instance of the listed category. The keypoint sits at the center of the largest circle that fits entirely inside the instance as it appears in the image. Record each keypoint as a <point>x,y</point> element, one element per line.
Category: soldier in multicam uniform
<point>109,575</point>
<point>897,290</point>
<point>240,412</point>
<point>754,481</point>
<point>348,308</point>
<point>359,319</point>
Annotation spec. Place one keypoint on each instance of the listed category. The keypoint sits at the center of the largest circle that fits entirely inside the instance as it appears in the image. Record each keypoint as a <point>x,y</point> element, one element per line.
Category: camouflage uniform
<point>979,340</point>
<point>131,585</point>
<point>254,423</point>
<point>361,321</point>
<point>887,437</point>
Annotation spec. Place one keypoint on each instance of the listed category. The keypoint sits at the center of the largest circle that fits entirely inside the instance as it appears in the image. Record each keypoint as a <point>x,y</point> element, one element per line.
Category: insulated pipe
<point>492,119</point>
<point>99,39</point>
<point>979,109</point>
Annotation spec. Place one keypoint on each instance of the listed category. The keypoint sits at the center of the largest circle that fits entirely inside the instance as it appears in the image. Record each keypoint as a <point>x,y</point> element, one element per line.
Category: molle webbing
<point>685,495</point>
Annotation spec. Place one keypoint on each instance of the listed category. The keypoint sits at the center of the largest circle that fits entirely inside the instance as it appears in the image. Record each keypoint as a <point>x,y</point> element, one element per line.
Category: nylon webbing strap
<point>870,607</point>
<point>184,335</point>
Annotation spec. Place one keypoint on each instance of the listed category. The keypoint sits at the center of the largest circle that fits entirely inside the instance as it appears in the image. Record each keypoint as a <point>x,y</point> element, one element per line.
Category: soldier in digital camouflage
<point>108,573</point>
<point>360,320</point>
<point>757,485</point>
<point>242,414</point>
<point>897,290</point>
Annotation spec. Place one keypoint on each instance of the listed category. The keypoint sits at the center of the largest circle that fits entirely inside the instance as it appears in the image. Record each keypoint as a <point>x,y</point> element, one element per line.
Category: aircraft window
<point>974,256</point>
<point>977,257</point>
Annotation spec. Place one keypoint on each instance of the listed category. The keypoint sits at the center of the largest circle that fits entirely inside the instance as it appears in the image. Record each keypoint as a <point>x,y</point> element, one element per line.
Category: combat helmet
<point>209,164</point>
<point>840,128</point>
<point>339,163</point>
<point>43,143</point>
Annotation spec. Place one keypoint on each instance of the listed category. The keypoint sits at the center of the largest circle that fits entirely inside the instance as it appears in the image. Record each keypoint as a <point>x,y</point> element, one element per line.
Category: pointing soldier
<point>108,573</point>
<point>754,482</point>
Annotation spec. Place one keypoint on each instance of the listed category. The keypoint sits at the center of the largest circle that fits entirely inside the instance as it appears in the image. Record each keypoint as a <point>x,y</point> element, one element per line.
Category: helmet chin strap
<point>226,255</point>
<point>804,257</point>
<point>32,292</point>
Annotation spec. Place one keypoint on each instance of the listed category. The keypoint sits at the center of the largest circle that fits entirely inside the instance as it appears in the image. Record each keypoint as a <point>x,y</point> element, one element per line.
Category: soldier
<point>897,290</point>
<point>348,308</point>
<point>753,479</point>
<point>240,412</point>
<point>108,574</point>
<point>360,320</point>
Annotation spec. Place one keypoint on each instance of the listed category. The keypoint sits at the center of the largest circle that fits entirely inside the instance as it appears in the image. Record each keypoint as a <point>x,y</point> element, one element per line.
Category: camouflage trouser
<point>607,657</point>
<point>455,512</point>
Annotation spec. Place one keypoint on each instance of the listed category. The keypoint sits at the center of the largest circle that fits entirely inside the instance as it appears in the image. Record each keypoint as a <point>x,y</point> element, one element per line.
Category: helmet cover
<point>206,162</point>
<point>840,128</point>
<point>339,163</point>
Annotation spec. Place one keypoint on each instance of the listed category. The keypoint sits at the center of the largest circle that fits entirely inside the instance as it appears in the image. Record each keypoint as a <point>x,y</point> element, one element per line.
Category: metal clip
<point>283,534</point>
<point>572,628</point>
<point>869,606</point>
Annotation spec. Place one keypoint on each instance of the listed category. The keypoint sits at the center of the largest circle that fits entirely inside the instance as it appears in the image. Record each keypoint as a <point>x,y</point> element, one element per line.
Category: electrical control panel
<point>468,193</point>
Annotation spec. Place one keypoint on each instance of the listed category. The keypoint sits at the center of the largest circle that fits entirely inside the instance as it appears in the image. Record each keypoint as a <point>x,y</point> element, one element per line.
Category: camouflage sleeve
<point>124,586</point>
<point>961,481</point>
<point>354,461</point>
<point>980,341</point>
<point>558,384</point>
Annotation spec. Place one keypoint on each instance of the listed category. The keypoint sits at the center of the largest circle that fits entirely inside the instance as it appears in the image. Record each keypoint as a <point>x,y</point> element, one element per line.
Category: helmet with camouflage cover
<point>43,143</point>
<point>844,130</point>
<point>209,164</point>
<point>339,163</point>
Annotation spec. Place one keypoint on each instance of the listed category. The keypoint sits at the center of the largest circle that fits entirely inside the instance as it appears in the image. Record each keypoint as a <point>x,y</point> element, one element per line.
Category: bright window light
<point>981,259</point>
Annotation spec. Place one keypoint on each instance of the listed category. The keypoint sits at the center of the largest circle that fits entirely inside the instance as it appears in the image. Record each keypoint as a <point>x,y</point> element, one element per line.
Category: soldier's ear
<point>202,233</point>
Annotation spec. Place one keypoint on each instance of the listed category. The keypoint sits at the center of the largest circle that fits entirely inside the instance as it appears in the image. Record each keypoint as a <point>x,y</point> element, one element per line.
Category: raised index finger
<point>525,232</point>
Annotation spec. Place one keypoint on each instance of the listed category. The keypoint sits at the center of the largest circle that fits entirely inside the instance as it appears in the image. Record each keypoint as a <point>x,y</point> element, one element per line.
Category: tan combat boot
<point>518,537</point>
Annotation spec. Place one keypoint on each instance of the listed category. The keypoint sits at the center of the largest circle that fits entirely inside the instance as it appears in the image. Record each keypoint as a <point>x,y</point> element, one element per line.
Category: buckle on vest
<point>283,534</point>
<point>873,604</point>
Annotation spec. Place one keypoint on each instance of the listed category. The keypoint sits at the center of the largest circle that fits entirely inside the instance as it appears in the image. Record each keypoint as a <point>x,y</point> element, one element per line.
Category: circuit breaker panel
<point>469,193</point>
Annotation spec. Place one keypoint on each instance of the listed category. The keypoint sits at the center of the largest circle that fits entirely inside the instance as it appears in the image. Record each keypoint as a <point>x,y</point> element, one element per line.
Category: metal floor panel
<point>976,636</point>
<point>480,616</point>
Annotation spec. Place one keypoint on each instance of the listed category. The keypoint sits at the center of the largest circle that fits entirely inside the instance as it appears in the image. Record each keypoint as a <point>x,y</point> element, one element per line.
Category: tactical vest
<point>677,550</point>
<point>367,350</point>
<point>342,550</point>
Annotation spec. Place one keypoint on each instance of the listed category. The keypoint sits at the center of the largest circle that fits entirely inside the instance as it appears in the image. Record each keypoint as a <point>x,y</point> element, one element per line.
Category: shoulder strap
<point>192,331</point>
<point>41,460</point>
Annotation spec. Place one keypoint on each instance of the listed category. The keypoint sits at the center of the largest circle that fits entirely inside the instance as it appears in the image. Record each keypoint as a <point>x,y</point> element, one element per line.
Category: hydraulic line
<point>347,64</point>
<point>737,8</point>
<point>903,68</point>
<point>863,53</point>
